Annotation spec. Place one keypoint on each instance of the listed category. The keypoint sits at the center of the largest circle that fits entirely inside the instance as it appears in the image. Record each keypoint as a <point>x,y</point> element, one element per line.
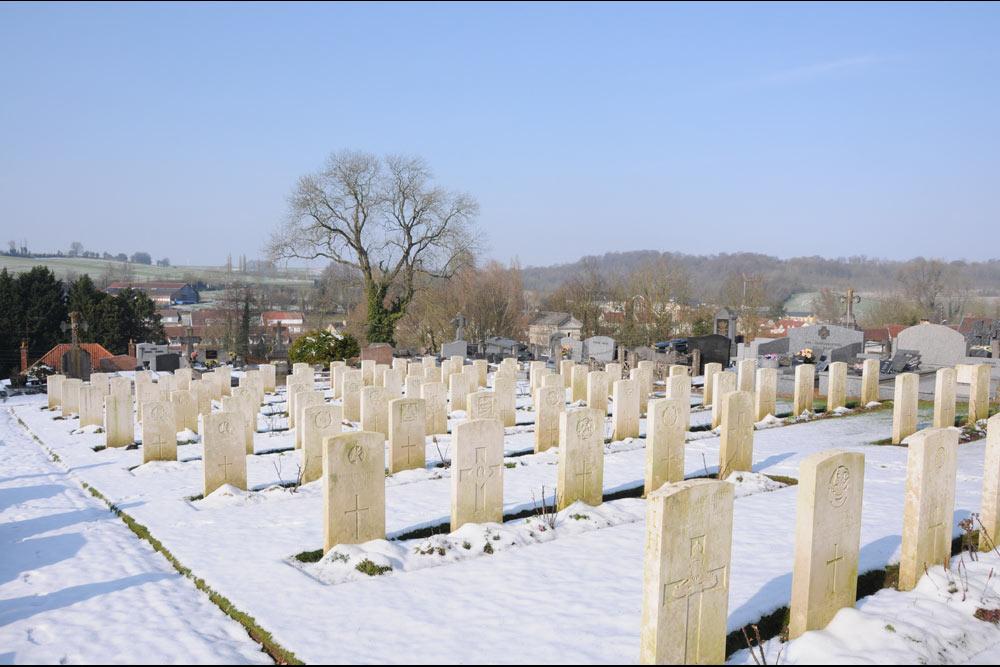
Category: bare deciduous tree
<point>826,306</point>
<point>925,281</point>
<point>747,296</point>
<point>492,298</point>
<point>384,219</point>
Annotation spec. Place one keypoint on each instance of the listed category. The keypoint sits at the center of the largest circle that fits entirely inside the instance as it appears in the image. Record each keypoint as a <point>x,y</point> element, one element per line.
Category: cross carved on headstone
<point>357,515</point>
<point>408,447</point>
<point>702,578</point>
<point>837,557</point>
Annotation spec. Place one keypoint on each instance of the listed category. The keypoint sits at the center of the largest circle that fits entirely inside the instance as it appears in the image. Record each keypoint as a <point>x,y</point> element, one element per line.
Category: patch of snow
<point>749,483</point>
<point>932,624</point>
<point>473,540</point>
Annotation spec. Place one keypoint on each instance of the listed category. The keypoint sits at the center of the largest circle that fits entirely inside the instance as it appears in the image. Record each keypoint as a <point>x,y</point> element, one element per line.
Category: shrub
<point>322,347</point>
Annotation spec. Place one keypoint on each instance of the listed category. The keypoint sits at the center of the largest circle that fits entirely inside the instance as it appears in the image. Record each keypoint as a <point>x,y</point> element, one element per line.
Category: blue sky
<point>790,129</point>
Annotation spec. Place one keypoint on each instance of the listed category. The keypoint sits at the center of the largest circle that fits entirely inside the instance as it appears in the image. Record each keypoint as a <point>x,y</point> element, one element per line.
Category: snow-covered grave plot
<point>76,586</point>
<point>559,588</point>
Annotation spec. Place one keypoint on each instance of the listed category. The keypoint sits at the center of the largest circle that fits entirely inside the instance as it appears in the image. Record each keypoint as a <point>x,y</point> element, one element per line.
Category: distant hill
<point>785,277</point>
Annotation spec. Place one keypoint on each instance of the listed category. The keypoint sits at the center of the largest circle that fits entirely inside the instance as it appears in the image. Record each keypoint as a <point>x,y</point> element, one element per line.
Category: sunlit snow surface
<point>573,595</point>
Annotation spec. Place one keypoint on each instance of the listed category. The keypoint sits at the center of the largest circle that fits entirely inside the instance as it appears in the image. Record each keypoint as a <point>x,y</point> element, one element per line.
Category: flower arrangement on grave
<point>771,357</point>
<point>806,356</point>
<point>566,353</point>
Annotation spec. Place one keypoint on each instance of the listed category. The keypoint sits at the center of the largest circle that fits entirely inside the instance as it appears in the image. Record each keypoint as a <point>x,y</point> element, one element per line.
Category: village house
<point>161,293</point>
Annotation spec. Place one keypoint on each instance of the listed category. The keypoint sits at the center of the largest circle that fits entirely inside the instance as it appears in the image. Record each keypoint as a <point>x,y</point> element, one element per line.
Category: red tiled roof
<point>178,330</point>
<point>968,321</point>
<point>54,356</point>
<point>121,362</point>
<point>880,334</point>
<point>200,317</point>
<point>886,333</point>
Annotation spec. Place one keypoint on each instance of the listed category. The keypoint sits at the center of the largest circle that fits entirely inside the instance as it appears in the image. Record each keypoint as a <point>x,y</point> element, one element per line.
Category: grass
<point>371,569</point>
<point>789,481</point>
<point>309,556</point>
<point>280,655</point>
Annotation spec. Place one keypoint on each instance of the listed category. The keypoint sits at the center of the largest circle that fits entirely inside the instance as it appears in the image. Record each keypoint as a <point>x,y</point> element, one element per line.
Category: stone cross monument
<point>849,300</point>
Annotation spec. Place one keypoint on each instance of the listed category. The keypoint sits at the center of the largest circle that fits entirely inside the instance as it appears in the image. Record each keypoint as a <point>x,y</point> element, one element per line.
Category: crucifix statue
<point>74,326</point>
<point>461,322</point>
<point>190,340</point>
<point>849,300</point>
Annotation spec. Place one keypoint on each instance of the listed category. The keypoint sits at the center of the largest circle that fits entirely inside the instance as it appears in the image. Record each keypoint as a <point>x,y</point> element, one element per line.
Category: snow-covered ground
<point>77,586</point>
<point>569,593</point>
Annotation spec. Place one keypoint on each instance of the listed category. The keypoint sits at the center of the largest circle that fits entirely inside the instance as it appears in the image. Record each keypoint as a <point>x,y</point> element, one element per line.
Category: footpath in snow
<point>77,586</point>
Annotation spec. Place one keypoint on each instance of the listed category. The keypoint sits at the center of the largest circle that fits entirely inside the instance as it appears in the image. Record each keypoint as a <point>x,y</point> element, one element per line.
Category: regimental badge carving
<point>552,399</point>
<point>225,427</point>
<point>585,428</point>
<point>840,482</point>
<point>322,419</point>
<point>158,413</point>
<point>669,416</point>
<point>356,454</point>
<point>485,405</point>
<point>409,412</point>
<point>939,458</point>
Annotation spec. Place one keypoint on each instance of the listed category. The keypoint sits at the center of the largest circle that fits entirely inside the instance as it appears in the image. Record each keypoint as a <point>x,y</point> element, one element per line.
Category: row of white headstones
<point>678,558</point>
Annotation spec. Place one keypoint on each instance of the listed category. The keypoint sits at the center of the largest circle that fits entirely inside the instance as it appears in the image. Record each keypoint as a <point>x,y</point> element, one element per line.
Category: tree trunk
<point>382,318</point>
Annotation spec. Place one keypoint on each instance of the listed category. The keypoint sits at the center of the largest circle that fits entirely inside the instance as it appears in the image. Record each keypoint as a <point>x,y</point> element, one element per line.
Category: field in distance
<point>77,266</point>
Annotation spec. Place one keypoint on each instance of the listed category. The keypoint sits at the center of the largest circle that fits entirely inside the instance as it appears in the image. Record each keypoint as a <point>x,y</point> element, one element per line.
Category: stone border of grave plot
<point>279,654</point>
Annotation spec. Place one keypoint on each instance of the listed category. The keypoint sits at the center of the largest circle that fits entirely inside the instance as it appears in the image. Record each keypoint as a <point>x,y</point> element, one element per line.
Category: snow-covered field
<point>568,593</point>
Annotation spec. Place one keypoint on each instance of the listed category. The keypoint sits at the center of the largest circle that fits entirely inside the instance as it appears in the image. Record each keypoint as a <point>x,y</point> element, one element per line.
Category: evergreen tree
<point>243,338</point>
<point>137,320</point>
<point>42,308</point>
<point>86,299</point>
<point>104,323</point>
<point>10,322</point>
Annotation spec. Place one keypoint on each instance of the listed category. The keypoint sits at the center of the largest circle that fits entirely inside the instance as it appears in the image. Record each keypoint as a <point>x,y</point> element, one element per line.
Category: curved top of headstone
<point>938,345</point>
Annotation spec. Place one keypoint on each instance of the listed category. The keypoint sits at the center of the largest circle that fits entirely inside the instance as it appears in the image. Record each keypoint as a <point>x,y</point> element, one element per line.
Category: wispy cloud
<point>818,71</point>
